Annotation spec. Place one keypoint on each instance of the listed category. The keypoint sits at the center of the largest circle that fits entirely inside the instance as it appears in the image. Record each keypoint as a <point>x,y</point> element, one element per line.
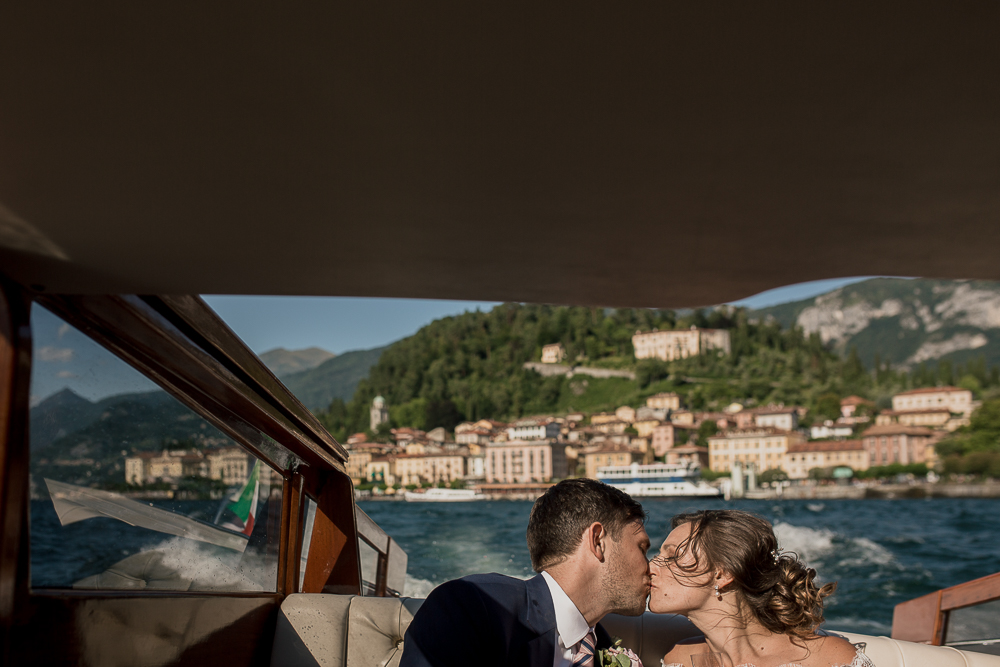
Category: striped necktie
<point>585,655</point>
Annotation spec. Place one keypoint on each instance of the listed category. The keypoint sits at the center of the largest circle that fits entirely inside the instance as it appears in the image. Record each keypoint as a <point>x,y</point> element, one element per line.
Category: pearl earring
<point>717,593</point>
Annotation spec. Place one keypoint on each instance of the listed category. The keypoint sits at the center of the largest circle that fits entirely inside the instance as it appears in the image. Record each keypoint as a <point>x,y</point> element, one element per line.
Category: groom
<point>588,541</point>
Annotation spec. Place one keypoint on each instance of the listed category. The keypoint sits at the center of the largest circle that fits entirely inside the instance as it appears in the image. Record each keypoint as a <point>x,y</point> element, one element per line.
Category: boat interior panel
<point>207,150</point>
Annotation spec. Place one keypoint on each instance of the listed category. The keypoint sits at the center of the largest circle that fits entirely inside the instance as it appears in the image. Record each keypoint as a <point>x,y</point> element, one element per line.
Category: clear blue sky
<point>339,324</point>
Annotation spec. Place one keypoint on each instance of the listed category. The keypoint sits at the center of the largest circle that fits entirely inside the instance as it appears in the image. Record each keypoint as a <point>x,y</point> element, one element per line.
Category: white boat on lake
<point>442,496</point>
<point>657,480</point>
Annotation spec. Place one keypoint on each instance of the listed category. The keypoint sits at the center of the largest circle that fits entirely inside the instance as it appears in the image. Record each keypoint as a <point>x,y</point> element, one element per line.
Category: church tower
<point>379,413</point>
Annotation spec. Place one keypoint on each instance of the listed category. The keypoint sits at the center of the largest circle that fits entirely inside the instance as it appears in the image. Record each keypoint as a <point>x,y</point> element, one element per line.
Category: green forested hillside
<point>471,366</point>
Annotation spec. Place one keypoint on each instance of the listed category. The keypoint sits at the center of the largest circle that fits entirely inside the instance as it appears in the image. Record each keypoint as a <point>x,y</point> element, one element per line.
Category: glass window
<point>973,625</point>
<point>307,531</point>
<point>130,489</point>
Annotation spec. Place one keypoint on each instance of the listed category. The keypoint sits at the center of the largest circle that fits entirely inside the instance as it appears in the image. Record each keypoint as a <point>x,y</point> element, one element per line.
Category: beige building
<point>667,436</point>
<point>671,345</point>
<point>613,455</point>
<point>952,398</point>
<point>666,400</point>
<point>603,417</point>
<point>553,354</point>
<point>357,465</point>
<point>682,417</point>
<point>895,443</point>
<point>849,406</point>
<point>381,469</point>
<point>644,428</point>
<point>775,416</point>
<point>764,446</point>
<point>626,413</point>
<point>804,456</point>
<point>524,462</point>
<point>228,464</point>
<point>690,454</point>
<point>611,427</point>
<point>929,417</point>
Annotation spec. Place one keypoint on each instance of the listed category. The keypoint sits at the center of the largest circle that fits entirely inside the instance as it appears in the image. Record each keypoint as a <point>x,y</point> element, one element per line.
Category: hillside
<point>904,322</point>
<point>334,378</point>
<point>471,366</point>
<point>90,443</point>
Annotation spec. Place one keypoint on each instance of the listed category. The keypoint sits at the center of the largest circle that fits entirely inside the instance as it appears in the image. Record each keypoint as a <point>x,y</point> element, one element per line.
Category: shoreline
<point>918,490</point>
<point>881,491</point>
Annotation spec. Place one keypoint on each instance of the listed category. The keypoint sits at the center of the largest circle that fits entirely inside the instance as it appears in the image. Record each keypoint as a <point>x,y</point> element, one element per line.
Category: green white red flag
<point>244,503</point>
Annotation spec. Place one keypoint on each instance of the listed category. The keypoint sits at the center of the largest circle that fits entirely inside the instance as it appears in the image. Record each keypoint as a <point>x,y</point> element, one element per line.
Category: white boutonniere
<point>617,656</point>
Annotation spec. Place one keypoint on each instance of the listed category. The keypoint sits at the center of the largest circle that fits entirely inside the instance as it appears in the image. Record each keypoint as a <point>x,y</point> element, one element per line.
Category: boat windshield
<point>131,489</point>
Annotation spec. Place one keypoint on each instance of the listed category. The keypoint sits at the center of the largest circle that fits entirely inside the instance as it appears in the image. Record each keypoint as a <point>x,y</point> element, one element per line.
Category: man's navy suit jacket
<point>484,620</point>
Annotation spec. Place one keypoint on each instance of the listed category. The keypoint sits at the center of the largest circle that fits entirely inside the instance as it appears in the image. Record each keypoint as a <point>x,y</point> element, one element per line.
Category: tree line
<point>470,366</point>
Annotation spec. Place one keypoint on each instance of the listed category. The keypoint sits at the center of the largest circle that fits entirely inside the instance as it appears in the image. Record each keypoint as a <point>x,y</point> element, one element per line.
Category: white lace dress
<point>860,660</point>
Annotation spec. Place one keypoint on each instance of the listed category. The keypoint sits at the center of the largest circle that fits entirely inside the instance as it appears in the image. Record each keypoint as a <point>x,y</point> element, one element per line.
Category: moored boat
<point>442,496</point>
<point>657,480</point>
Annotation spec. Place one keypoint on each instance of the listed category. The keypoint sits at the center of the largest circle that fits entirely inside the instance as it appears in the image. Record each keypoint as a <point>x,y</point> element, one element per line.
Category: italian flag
<point>244,503</point>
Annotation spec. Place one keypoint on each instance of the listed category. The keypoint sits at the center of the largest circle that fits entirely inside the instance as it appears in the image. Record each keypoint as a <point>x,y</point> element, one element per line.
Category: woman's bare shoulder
<point>682,651</point>
<point>833,651</point>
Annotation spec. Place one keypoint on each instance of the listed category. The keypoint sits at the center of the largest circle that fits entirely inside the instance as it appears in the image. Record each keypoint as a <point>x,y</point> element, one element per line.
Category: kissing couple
<point>756,605</point>
<point>588,541</point>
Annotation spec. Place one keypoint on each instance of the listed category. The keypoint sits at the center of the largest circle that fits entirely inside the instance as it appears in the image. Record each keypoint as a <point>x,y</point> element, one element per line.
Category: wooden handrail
<point>925,619</point>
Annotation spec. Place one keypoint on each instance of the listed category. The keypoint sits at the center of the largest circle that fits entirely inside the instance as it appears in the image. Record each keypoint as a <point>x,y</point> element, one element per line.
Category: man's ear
<point>596,538</point>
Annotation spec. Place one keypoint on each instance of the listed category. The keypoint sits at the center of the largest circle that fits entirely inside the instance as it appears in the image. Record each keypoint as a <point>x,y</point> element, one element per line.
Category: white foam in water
<point>189,560</point>
<point>810,544</point>
<point>417,588</point>
<point>869,553</point>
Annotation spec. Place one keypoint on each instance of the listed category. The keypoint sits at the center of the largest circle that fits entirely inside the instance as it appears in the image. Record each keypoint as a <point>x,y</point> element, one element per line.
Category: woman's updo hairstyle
<point>777,587</point>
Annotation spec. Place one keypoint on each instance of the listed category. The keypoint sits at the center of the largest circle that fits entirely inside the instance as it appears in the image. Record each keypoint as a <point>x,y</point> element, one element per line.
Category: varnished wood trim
<point>333,564</point>
<point>292,536</point>
<point>15,376</point>
<point>202,324</point>
<point>972,592</point>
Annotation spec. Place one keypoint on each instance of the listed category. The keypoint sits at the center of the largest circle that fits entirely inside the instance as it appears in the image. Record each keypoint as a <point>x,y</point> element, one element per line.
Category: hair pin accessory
<point>775,555</point>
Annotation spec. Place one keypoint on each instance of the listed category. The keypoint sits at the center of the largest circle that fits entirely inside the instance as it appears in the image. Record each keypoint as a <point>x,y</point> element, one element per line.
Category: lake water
<point>881,552</point>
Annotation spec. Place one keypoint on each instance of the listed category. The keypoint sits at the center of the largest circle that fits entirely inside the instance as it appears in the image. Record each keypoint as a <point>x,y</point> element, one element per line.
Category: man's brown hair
<point>560,516</point>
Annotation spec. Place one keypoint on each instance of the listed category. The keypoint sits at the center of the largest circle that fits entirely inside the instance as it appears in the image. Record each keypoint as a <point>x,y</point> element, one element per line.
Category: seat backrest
<point>337,630</point>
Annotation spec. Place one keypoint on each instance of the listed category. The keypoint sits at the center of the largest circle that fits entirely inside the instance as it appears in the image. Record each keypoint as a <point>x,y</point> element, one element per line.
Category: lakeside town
<point>768,445</point>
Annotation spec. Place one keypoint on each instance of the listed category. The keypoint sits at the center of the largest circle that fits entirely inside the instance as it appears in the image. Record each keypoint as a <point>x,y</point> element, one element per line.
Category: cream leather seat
<point>335,630</point>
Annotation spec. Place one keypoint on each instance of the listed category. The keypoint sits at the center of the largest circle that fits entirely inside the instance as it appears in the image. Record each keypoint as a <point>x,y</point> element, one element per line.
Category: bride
<point>756,606</point>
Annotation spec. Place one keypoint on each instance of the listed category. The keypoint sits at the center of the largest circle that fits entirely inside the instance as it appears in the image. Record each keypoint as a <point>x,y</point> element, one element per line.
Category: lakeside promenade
<point>989,489</point>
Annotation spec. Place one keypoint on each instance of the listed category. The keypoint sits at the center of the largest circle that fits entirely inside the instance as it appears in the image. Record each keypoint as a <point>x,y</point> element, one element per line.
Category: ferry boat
<point>657,480</point>
<point>443,496</point>
<point>443,150</point>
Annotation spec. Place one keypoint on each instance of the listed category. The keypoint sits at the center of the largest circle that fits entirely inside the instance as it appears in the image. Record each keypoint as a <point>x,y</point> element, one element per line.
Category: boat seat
<point>336,630</point>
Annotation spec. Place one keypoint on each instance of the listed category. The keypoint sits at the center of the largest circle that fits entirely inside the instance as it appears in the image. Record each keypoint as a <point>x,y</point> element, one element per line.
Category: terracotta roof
<point>855,400</point>
<point>614,449</point>
<point>689,449</point>
<point>916,411</point>
<point>826,446</point>
<point>896,429</point>
<point>772,410</point>
<point>751,432</point>
<point>930,390</point>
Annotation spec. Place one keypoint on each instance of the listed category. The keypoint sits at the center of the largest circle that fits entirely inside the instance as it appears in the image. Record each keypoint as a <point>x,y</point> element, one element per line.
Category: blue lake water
<point>881,552</point>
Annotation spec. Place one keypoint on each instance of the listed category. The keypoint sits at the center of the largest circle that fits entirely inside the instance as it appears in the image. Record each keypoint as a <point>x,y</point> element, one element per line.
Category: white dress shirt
<point>571,626</point>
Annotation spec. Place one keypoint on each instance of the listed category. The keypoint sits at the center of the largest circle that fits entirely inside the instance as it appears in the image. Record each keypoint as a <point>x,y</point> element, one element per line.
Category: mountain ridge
<point>284,362</point>
<point>903,321</point>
